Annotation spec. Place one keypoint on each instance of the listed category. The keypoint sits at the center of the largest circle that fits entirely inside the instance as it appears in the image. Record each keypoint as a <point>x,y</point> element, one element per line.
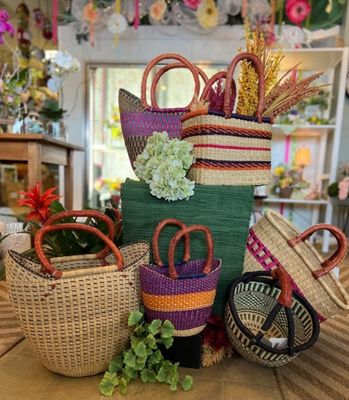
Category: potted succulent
<point>53,115</point>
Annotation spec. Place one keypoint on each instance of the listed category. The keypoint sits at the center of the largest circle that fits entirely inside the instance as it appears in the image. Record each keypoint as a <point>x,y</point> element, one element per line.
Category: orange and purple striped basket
<point>183,293</point>
<point>230,149</point>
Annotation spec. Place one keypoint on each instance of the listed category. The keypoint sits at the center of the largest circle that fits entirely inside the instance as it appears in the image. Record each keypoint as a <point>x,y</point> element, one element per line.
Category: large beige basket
<point>274,241</point>
<point>77,322</point>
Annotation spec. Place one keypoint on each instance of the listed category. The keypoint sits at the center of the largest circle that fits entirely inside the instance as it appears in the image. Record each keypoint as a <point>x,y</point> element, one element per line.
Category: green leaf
<point>155,358</point>
<point>161,376</point>
<point>134,341</point>
<point>167,329</point>
<point>141,350</point>
<point>56,207</point>
<point>116,364</point>
<point>140,363</point>
<point>167,342</point>
<point>123,385</point>
<point>130,359</point>
<point>173,386</point>
<point>187,383</point>
<point>134,318</point>
<point>154,327</point>
<point>148,375</point>
<point>131,373</point>
<point>108,384</point>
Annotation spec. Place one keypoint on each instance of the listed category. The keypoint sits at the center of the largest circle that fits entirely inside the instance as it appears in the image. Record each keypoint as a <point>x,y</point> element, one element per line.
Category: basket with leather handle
<point>139,119</point>
<point>230,149</point>
<point>274,241</point>
<point>74,310</point>
<point>182,293</point>
<point>266,322</point>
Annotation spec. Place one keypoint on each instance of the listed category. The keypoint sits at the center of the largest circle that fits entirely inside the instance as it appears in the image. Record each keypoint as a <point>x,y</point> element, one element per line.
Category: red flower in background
<point>297,10</point>
<point>39,203</point>
<point>193,4</point>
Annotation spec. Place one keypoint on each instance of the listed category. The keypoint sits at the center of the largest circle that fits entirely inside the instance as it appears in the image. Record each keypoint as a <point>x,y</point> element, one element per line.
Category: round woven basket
<point>252,305</point>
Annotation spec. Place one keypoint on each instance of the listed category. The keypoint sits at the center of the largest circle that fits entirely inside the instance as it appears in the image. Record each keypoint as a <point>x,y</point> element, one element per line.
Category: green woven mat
<point>226,210</point>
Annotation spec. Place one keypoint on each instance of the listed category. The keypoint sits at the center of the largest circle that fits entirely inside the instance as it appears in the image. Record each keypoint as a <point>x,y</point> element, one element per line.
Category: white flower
<point>55,83</point>
<point>116,23</point>
<point>66,61</point>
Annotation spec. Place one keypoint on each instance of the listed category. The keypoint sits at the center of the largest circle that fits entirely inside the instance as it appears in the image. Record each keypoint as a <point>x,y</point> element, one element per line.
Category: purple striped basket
<point>183,294</point>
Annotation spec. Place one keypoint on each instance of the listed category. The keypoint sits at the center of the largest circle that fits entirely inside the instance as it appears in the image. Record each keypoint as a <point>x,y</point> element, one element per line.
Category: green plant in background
<point>144,359</point>
<point>51,111</point>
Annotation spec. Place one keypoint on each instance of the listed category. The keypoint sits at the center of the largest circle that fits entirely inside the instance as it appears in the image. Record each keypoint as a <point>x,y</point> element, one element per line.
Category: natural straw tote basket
<point>274,241</point>
<point>182,293</point>
<point>75,318</point>
<point>139,119</point>
<point>230,149</point>
<point>262,311</point>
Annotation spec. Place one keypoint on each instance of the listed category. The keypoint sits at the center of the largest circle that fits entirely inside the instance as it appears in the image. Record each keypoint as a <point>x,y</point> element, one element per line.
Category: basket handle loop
<point>336,258</point>
<point>89,214</point>
<point>285,297</point>
<point>39,238</point>
<point>158,229</point>
<point>228,104</point>
<point>155,61</point>
<point>177,237</point>
<point>162,71</point>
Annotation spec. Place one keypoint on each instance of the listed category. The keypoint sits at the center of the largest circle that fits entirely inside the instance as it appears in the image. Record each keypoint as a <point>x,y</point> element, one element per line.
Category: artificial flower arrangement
<point>62,65</point>
<point>163,164</point>
<point>61,243</point>
<point>12,84</point>
<point>144,358</point>
<point>108,190</point>
<point>286,180</point>
<point>340,189</point>
<point>113,123</point>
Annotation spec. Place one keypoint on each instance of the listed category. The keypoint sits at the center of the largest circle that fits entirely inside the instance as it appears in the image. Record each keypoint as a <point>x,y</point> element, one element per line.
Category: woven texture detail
<point>225,210</point>
<point>253,302</point>
<point>76,324</point>
<point>228,151</point>
<point>325,294</point>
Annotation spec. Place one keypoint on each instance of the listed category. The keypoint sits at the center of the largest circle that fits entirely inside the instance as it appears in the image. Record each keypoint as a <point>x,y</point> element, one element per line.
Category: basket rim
<point>262,278</point>
<point>278,222</point>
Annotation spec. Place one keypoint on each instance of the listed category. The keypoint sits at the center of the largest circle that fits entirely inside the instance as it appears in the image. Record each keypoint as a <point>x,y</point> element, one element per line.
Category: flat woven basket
<point>274,241</point>
<point>261,310</point>
<point>139,119</point>
<point>230,149</point>
<point>225,210</point>
<point>182,293</point>
<point>74,314</point>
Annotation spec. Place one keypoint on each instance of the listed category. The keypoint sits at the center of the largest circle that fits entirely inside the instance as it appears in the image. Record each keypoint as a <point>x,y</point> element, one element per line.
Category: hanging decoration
<point>23,33</point>
<point>47,29</point>
<point>116,22</point>
<point>297,10</point>
<point>38,17</point>
<point>55,7</point>
<point>90,13</point>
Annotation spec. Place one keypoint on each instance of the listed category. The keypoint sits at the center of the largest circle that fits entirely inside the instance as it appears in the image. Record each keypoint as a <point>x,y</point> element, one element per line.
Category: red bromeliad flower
<point>39,203</point>
<point>297,10</point>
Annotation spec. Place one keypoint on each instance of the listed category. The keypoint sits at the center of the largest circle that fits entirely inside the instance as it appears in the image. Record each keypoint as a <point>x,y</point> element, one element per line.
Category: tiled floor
<point>22,377</point>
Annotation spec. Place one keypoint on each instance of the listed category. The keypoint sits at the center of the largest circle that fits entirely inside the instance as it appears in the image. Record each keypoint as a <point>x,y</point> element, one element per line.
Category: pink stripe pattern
<point>222,146</point>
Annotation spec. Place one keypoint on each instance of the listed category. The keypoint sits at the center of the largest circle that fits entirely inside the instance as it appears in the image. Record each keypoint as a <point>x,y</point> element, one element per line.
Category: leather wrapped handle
<point>155,61</point>
<point>177,237</point>
<point>89,214</point>
<point>157,231</point>
<point>285,297</point>
<point>39,238</point>
<point>228,106</point>
<point>162,71</point>
<point>336,258</point>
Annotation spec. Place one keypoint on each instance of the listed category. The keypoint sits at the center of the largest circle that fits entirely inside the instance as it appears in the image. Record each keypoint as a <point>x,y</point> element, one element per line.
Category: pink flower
<point>157,10</point>
<point>297,10</point>
<point>193,4</point>
<point>343,187</point>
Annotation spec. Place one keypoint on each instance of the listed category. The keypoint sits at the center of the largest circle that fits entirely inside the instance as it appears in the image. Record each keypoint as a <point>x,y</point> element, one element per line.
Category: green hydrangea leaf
<point>155,358</point>
<point>141,350</point>
<point>122,385</point>
<point>116,364</point>
<point>131,373</point>
<point>187,383</point>
<point>154,327</point>
<point>130,359</point>
<point>108,384</point>
<point>167,330</point>
<point>161,375</point>
<point>140,363</point>
<point>167,342</point>
<point>173,386</point>
<point>148,375</point>
<point>150,341</point>
<point>134,318</point>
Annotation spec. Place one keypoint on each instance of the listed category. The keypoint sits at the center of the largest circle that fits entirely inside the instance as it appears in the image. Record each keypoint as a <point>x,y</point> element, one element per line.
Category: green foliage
<point>144,359</point>
<point>333,190</point>
<point>51,111</point>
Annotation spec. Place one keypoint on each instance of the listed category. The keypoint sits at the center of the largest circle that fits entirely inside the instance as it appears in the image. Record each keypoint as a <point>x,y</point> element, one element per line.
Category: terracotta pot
<point>286,193</point>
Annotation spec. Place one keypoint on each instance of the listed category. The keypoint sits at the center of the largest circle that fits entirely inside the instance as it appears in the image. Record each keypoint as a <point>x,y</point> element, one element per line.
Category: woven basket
<point>182,294</point>
<point>260,310</point>
<point>274,241</point>
<point>230,149</point>
<point>225,210</point>
<point>75,318</point>
<point>139,119</point>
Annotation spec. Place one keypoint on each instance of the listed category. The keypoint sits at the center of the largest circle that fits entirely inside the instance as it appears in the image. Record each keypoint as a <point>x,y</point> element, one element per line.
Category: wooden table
<point>36,149</point>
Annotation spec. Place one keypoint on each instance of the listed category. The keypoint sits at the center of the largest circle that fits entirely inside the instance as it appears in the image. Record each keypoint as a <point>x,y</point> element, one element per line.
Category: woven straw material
<point>186,302</point>
<point>139,123</point>
<point>228,151</point>
<point>253,302</point>
<point>77,323</point>
<point>225,210</point>
<point>267,247</point>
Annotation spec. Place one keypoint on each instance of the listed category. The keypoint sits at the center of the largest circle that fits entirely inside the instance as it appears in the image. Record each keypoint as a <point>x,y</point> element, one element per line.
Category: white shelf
<point>305,126</point>
<point>295,201</point>
<point>302,130</point>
